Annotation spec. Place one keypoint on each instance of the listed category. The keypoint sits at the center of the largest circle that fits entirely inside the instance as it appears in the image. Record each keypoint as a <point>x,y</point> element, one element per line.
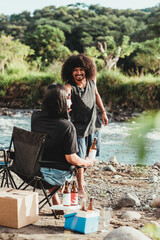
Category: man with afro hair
<point>79,75</point>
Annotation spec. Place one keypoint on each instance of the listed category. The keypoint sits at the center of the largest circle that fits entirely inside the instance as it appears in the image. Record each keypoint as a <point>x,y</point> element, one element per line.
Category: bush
<point>136,92</point>
<point>29,86</point>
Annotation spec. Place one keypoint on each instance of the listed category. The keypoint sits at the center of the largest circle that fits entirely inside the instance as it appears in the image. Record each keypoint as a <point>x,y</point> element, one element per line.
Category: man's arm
<point>74,159</point>
<point>101,106</point>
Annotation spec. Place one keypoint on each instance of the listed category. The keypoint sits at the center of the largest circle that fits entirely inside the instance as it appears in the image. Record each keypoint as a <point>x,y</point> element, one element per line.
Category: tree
<point>12,51</point>
<point>154,23</point>
<point>148,56</point>
<point>15,25</point>
<point>83,26</point>
<point>62,52</point>
<point>93,53</point>
<point>47,41</point>
<point>111,53</point>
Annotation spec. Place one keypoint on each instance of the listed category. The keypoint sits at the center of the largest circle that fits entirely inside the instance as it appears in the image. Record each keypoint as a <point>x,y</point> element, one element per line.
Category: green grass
<point>22,82</point>
<point>118,90</point>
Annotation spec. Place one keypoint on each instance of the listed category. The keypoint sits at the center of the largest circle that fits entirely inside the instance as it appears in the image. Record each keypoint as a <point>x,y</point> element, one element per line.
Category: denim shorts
<point>55,177</point>
<point>85,143</point>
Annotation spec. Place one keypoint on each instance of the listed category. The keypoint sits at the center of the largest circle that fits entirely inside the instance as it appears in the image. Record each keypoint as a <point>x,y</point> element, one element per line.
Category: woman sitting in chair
<point>60,147</point>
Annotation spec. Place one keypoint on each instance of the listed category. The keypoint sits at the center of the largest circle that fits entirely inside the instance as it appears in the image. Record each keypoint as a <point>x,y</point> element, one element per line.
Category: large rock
<point>157,164</point>
<point>113,161</point>
<point>126,233</point>
<point>130,215</point>
<point>109,168</point>
<point>128,200</point>
<point>153,179</point>
<point>155,202</point>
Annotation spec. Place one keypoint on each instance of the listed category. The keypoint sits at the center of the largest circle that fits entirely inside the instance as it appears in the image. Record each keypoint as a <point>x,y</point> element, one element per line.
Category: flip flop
<point>59,212</point>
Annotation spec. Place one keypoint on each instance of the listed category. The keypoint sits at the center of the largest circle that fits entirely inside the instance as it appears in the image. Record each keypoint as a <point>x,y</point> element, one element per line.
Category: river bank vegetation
<point>23,88</point>
<point>125,45</point>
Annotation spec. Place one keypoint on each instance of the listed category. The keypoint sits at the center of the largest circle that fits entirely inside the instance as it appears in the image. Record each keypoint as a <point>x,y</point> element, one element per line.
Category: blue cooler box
<point>83,222</point>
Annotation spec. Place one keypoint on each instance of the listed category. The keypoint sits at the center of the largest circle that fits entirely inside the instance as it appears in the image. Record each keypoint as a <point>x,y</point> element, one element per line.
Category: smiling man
<point>79,75</point>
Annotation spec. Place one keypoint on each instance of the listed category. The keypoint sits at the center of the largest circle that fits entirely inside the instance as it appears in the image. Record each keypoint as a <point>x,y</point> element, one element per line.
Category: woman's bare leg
<point>80,180</point>
<point>55,198</point>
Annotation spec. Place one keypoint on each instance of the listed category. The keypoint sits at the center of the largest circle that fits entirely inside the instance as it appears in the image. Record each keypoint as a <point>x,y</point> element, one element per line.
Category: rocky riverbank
<point>129,190</point>
<point>119,114</point>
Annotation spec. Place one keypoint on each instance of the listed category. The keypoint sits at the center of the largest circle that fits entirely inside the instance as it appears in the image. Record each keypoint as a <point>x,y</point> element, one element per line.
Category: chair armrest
<point>3,157</point>
<point>11,154</point>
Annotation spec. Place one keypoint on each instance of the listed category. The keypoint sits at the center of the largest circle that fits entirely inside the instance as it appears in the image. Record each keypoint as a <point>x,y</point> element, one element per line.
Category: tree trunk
<point>110,62</point>
<point>2,67</point>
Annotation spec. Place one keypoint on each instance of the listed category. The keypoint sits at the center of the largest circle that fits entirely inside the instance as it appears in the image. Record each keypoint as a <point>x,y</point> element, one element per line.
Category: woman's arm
<point>74,159</point>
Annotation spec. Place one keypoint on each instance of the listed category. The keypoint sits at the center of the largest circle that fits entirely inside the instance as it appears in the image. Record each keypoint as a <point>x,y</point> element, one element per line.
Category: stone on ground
<point>126,233</point>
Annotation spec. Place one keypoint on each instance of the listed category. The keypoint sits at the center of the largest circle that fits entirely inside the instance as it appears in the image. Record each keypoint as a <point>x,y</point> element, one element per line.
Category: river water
<point>115,139</point>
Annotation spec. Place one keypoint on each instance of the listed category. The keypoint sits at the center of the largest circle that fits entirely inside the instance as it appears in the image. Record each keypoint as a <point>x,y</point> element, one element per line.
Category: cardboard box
<point>83,222</point>
<point>18,208</point>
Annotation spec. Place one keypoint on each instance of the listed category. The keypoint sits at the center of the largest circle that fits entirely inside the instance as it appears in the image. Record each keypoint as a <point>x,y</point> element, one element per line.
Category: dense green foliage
<point>120,91</point>
<point>24,88</point>
<point>12,51</point>
<point>56,32</point>
<point>84,26</point>
<point>148,55</point>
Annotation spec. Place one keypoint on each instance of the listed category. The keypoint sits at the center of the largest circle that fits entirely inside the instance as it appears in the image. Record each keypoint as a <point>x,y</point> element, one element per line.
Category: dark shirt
<point>83,114</point>
<point>61,140</point>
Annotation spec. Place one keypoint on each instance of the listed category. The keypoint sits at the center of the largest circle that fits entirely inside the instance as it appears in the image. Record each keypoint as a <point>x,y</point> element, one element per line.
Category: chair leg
<point>28,184</point>
<point>22,185</point>
<point>3,178</point>
<point>7,179</point>
<point>47,198</point>
<point>11,179</point>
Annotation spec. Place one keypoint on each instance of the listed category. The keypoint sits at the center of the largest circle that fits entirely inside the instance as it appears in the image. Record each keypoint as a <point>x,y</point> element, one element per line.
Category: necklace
<point>82,84</point>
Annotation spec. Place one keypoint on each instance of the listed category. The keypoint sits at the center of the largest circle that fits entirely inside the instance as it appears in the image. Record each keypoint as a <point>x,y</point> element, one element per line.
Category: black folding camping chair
<point>25,151</point>
<point>4,170</point>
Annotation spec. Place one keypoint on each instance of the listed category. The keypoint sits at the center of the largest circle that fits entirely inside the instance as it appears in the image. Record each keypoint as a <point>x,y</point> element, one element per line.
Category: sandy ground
<point>98,182</point>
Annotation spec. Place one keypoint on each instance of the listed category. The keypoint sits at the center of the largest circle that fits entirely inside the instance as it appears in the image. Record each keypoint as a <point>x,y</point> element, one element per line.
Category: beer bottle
<point>66,195</point>
<point>74,194</point>
<point>91,204</point>
<point>93,150</point>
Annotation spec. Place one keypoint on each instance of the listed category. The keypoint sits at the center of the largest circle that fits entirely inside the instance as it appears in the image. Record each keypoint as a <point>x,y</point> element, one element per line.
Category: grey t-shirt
<point>83,114</point>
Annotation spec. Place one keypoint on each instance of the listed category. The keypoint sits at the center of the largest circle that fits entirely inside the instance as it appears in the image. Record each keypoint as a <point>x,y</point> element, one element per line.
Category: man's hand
<point>104,118</point>
<point>89,162</point>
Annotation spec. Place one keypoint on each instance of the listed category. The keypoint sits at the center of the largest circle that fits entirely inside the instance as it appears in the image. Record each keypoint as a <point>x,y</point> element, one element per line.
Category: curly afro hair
<point>74,61</point>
